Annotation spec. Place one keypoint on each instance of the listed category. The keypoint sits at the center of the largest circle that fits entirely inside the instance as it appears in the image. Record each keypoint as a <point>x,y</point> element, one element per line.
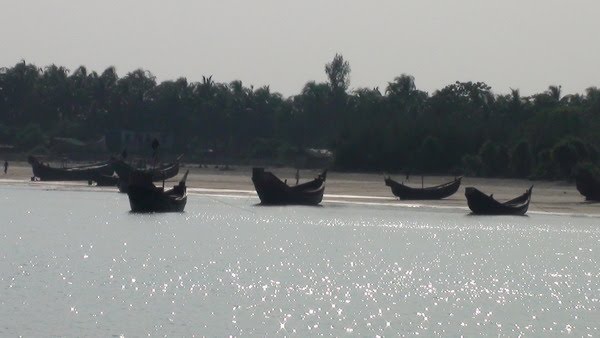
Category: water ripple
<point>78,264</point>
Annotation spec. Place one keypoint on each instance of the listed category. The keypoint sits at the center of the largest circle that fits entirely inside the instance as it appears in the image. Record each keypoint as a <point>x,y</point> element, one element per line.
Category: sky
<point>519,44</point>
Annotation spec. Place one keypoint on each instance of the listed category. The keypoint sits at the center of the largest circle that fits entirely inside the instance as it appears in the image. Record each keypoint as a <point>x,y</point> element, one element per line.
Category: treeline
<point>461,128</point>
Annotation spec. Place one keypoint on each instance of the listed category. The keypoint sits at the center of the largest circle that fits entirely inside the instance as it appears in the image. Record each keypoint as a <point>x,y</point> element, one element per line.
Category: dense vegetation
<point>463,127</point>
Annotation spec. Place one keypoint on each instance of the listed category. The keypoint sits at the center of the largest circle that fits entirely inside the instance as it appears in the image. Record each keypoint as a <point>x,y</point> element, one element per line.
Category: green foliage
<point>587,169</point>
<point>546,127</point>
<point>494,159</point>
<point>29,137</point>
<point>6,134</point>
<point>39,150</point>
<point>545,167</point>
<point>430,153</point>
<point>264,149</point>
<point>503,160</point>
<point>487,154</point>
<point>463,127</point>
<point>72,129</point>
<point>567,153</point>
<point>286,153</point>
<point>338,73</point>
<point>472,165</point>
<point>521,159</point>
<point>592,153</point>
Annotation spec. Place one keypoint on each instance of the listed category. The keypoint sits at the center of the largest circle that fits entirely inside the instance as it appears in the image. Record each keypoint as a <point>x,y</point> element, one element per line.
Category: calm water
<point>77,263</point>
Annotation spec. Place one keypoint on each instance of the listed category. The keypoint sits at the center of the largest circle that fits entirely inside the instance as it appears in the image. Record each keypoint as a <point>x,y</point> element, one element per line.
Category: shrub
<point>521,159</point>
<point>494,159</point>
<point>471,165</point>
<point>29,137</point>
<point>567,153</point>
<point>430,153</point>
<point>545,166</point>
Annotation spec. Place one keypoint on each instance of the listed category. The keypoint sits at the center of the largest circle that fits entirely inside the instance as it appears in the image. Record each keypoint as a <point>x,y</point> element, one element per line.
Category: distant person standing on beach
<point>5,167</point>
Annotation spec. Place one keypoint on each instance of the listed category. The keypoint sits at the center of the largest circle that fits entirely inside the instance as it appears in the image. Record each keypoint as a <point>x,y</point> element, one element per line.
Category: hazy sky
<point>523,44</point>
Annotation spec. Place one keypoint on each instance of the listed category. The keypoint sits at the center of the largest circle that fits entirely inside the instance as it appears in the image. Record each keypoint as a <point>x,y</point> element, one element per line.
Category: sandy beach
<point>548,196</point>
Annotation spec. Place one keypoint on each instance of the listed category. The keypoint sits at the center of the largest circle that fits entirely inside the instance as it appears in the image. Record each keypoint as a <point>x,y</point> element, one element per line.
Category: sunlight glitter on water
<point>228,267</point>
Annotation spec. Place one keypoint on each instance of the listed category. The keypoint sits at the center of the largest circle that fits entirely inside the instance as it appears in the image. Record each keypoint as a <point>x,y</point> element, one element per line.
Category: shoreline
<point>549,197</point>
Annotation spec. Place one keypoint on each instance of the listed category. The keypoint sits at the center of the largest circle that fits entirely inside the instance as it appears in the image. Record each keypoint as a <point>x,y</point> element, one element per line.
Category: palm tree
<point>402,86</point>
<point>554,92</point>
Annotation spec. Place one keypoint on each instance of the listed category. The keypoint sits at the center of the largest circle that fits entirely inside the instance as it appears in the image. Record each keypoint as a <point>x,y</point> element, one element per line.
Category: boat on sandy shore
<point>482,204</point>
<point>44,172</point>
<point>437,192</point>
<point>272,190</point>
<point>159,173</point>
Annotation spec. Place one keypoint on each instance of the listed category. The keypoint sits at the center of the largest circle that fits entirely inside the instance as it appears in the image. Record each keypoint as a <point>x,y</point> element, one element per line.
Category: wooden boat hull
<point>430,193</point>
<point>482,204</point>
<point>272,191</point>
<point>142,199</point>
<point>124,170</point>
<point>163,172</point>
<point>79,173</point>
<point>144,196</point>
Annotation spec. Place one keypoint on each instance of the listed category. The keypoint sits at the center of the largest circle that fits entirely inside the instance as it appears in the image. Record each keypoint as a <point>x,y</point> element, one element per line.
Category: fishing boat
<point>588,185</point>
<point>45,172</point>
<point>482,204</point>
<point>159,173</point>
<point>144,196</point>
<point>272,190</point>
<point>437,192</point>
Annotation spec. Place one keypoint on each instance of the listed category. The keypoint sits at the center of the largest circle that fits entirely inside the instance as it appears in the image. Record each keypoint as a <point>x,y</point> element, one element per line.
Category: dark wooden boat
<point>44,172</point>
<point>271,190</point>
<point>430,193</point>
<point>588,185</point>
<point>482,204</point>
<point>144,196</point>
<point>160,173</point>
